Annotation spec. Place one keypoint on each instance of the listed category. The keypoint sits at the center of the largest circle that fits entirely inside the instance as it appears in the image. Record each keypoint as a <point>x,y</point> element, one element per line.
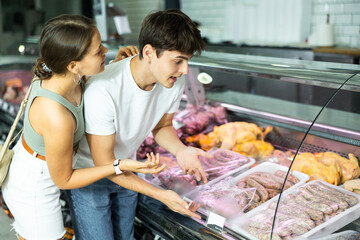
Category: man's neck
<point>141,74</point>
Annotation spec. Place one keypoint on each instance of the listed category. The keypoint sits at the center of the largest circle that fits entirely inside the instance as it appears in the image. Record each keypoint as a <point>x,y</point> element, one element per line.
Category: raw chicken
<point>206,141</point>
<point>242,137</point>
<point>349,168</point>
<point>257,149</point>
<point>308,163</point>
<point>234,133</point>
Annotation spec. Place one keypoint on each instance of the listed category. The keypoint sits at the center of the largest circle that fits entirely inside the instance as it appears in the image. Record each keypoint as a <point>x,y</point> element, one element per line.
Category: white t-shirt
<point>113,102</point>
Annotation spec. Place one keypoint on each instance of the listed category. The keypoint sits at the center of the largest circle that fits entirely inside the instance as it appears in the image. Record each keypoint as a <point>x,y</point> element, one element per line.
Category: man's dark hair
<point>170,30</point>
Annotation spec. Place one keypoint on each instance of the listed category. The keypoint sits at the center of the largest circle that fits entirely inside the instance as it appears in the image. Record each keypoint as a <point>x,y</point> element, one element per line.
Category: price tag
<point>216,222</point>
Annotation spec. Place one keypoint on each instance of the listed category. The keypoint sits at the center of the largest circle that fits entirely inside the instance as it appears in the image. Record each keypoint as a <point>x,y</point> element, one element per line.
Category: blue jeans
<point>103,210</point>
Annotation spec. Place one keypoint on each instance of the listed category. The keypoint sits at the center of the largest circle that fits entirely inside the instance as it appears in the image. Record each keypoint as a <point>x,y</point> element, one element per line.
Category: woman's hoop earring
<point>77,82</point>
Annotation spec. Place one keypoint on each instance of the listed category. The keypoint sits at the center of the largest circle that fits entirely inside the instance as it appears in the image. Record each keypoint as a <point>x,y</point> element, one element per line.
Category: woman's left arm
<point>125,52</point>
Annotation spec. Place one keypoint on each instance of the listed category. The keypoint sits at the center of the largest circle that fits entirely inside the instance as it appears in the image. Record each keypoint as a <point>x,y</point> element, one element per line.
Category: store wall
<point>344,16</point>
<point>136,11</point>
<point>261,22</point>
<point>268,21</point>
<point>254,22</point>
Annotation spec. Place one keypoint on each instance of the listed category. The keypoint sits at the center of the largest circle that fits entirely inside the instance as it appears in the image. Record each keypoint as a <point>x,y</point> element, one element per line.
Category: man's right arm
<point>102,151</point>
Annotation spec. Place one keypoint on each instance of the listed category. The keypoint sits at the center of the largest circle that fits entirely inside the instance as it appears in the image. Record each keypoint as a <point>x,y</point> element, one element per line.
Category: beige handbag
<point>6,154</point>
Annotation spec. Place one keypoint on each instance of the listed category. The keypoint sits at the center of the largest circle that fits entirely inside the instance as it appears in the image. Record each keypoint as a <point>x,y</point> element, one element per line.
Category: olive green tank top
<point>34,140</point>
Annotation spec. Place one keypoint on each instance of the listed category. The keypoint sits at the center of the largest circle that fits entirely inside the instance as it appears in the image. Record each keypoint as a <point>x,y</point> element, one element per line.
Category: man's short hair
<point>170,30</point>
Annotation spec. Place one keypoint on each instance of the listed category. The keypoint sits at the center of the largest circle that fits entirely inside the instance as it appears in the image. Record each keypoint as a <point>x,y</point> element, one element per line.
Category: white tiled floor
<point>5,229</point>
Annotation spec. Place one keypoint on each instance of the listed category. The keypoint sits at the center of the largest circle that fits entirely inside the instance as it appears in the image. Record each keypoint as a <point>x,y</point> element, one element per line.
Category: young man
<point>126,102</point>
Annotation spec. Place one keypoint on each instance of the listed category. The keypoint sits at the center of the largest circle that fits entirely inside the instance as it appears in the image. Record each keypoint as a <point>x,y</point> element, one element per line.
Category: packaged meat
<point>224,199</point>
<point>311,211</point>
<point>258,184</point>
<point>224,163</point>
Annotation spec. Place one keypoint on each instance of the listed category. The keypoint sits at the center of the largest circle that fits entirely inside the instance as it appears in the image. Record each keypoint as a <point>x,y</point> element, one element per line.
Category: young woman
<point>70,48</point>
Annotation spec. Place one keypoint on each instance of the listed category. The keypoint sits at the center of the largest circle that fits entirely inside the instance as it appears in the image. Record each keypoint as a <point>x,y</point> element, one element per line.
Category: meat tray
<point>321,231</point>
<point>182,186</point>
<point>345,235</point>
<point>235,176</point>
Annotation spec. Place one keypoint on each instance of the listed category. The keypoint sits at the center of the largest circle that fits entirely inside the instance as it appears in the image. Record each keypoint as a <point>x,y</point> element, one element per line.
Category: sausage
<point>272,192</point>
<point>281,227</point>
<point>351,200</point>
<point>261,220</point>
<point>325,194</point>
<point>257,197</point>
<point>261,235</point>
<point>259,188</point>
<point>291,177</point>
<point>241,183</point>
<point>279,179</point>
<point>242,200</point>
<point>299,223</point>
<point>266,182</point>
<point>226,156</point>
<point>292,216</point>
<point>252,195</point>
<point>335,213</point>
<point>314,213</point>
<point>289,210</point>
<point>252,205</point>
<point>209,162</point>
<point>296,228</point>
<point>316,198</point>
<point>317,205</point>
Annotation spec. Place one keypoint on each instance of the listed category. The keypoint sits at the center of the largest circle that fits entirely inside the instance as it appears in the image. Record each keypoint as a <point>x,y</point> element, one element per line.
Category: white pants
<point>33,198</point>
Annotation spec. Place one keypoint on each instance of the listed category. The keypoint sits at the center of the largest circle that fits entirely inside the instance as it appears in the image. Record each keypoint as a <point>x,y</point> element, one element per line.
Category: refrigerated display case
<point>15,77</point>
<point>283,93</point>
<point>313,108</point>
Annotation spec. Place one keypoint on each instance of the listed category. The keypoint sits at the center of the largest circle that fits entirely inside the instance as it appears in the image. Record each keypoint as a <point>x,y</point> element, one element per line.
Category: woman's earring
<point>76,82</point>
<point>79,79</point>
